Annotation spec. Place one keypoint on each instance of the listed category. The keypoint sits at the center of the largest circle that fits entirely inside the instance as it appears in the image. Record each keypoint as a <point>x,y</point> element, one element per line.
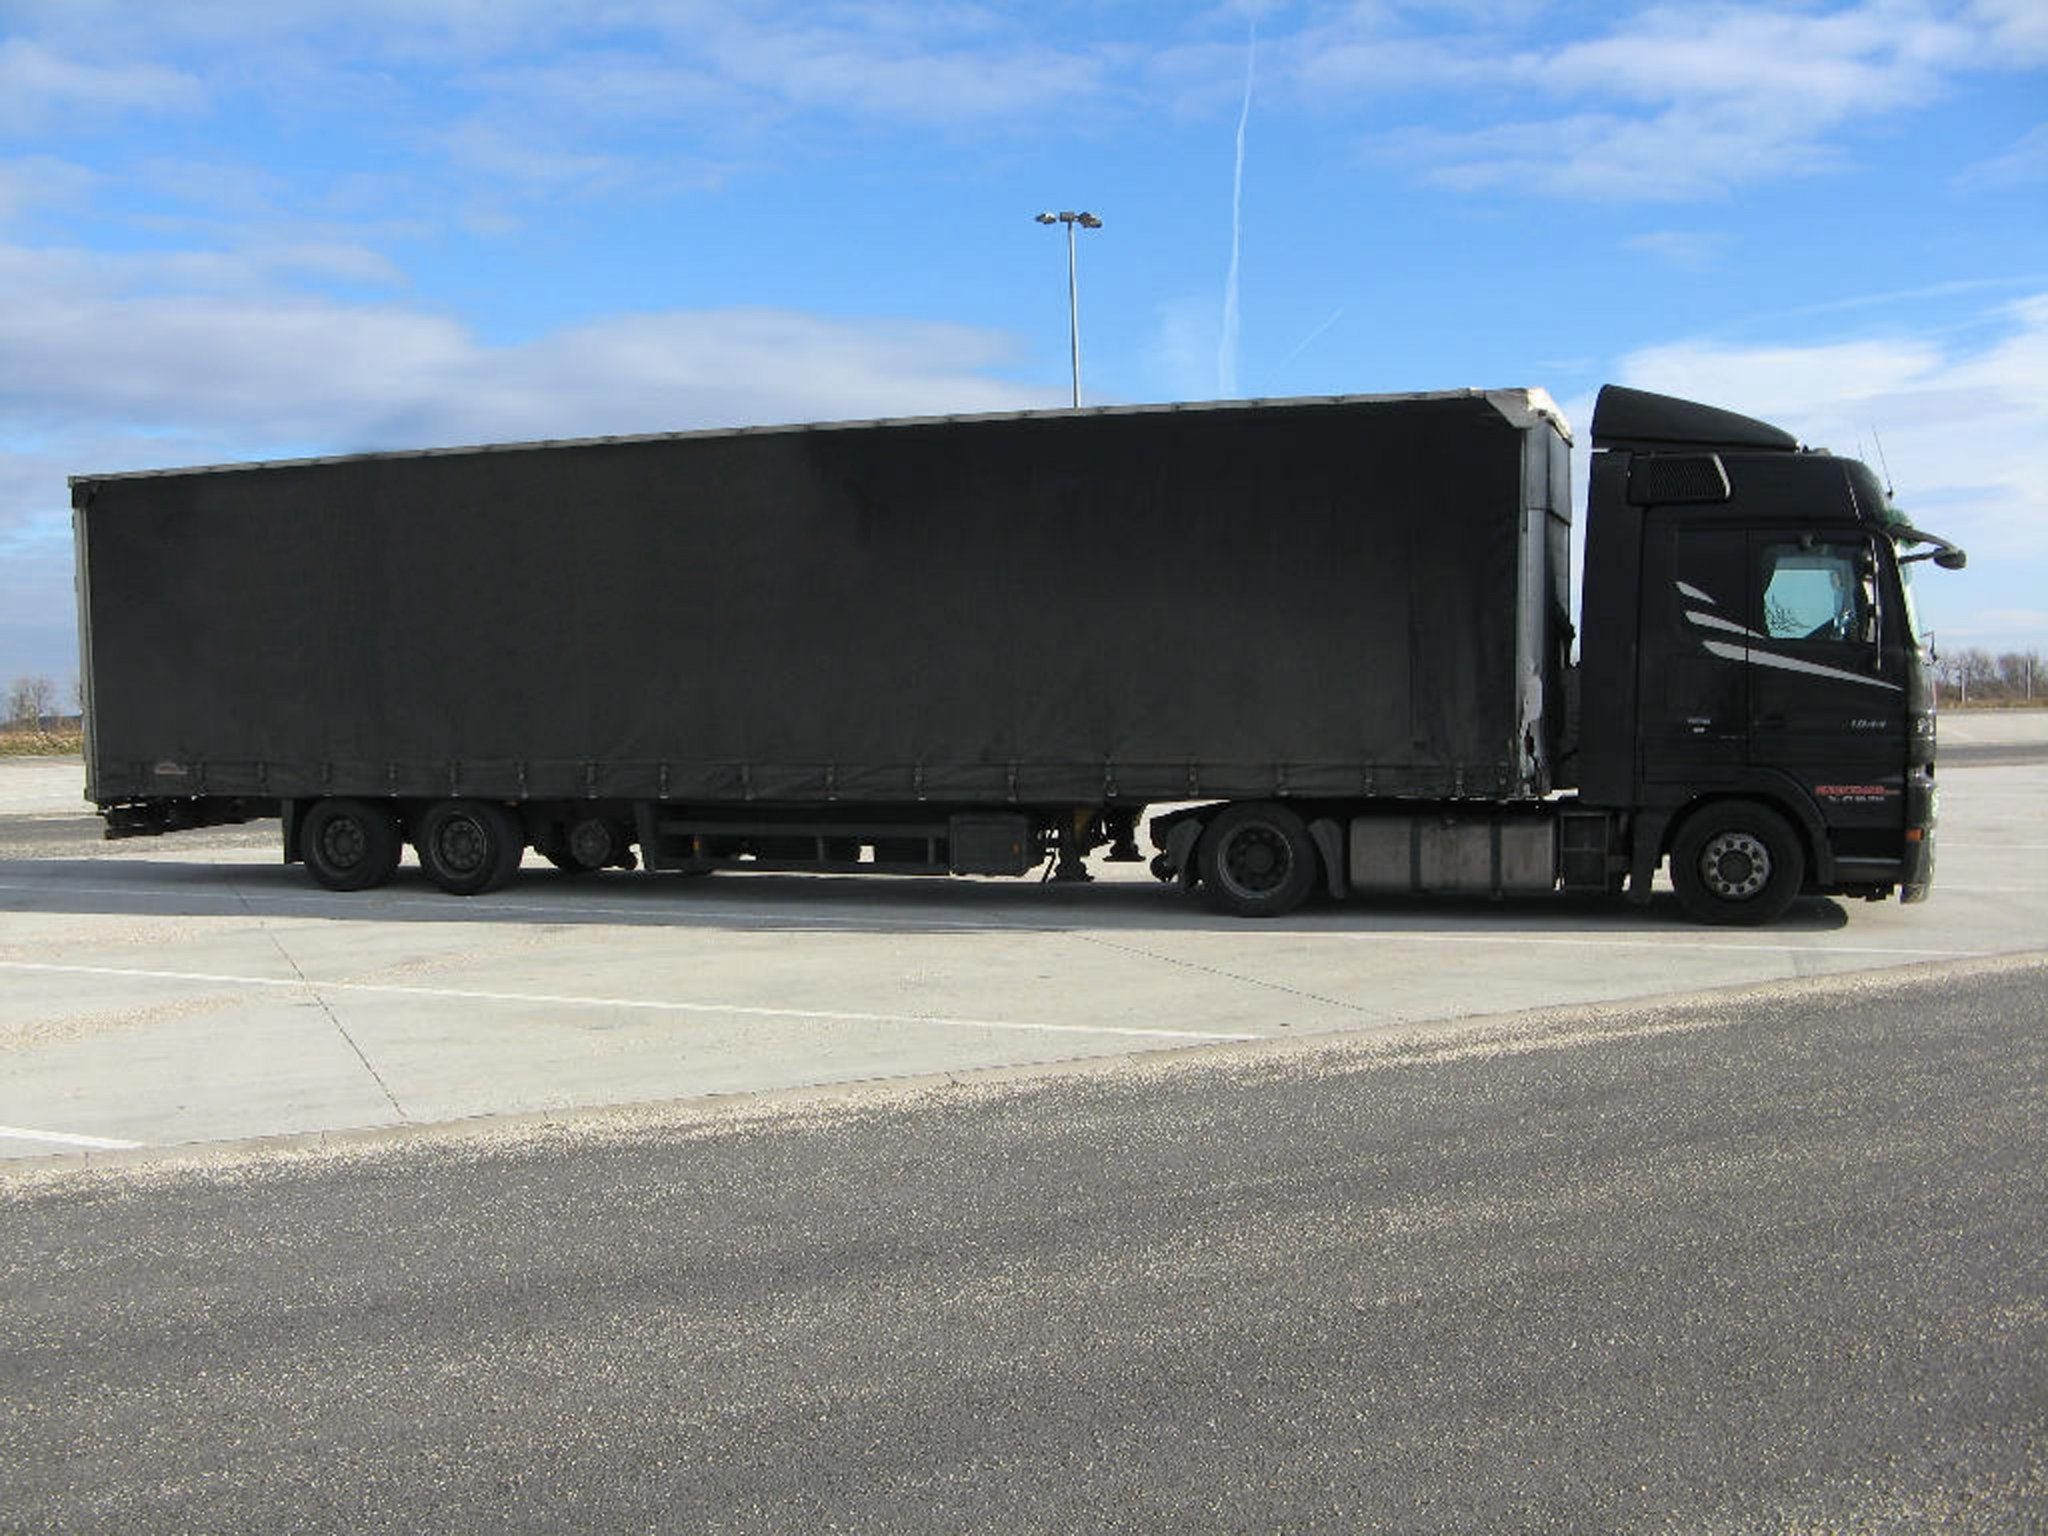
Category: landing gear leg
<point>1077,836</point>
<point>1123,838</point>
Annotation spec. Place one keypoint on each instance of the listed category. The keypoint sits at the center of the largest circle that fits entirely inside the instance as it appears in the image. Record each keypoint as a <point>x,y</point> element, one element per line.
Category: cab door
<point>1827,688</point>
<point>1693,685</point>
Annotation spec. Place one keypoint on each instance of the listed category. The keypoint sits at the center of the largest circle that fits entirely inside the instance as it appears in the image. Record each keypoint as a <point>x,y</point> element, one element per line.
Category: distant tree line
<point>1977,676</point>
<point>32,703</point>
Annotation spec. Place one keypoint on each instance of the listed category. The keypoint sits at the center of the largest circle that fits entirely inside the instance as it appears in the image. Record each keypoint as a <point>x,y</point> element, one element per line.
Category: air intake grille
<point>1659,479</point>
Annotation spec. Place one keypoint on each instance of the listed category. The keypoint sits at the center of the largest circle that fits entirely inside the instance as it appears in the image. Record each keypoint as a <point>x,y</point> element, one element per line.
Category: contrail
<point>1308,340</point>
<point>1226,351</point>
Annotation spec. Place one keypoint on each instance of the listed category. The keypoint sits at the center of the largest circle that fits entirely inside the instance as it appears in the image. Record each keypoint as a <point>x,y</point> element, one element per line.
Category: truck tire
<point>1257,860</point>
<point>468,847</point>
<point>1737,862</point>
<point>350,845</point>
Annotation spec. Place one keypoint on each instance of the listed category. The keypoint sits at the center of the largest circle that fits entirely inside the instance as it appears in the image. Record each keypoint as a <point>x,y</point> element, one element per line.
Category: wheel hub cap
<point>461,845</point>
<point>343,843</point>
<point>1735,866</point>
<point>1257,860</point>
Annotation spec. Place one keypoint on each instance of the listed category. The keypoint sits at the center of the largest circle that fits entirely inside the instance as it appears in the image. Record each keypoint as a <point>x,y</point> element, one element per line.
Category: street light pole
<point>1073,221</point>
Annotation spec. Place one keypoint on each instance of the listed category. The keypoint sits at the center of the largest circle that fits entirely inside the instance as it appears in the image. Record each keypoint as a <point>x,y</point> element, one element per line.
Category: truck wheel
<point>1737,862</point>
<point>468,847</point>
<point>1257,860</point>
<point>350,845</point>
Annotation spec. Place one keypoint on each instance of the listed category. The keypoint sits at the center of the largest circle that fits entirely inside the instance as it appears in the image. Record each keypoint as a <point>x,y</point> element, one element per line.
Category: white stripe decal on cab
<point>1794,664</point>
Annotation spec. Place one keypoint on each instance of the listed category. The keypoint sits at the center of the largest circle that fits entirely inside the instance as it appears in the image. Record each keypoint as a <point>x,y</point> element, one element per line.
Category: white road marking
<point>656,1005</point>
<point>65,1139</point>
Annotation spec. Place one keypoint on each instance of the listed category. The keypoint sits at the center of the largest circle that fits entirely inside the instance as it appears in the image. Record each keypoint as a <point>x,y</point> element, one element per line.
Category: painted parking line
<point>653,1005</point>
<point>66,1139</point>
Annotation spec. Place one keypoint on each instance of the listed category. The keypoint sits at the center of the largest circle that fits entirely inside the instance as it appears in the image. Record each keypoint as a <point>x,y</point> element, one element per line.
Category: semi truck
<point>1312,648</point>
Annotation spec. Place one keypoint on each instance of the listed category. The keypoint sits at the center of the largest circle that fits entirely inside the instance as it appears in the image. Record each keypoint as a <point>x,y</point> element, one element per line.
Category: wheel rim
<point>1735,865</point>
<point>343,842</point>
<point>1256,860</point>
<point>461,845</point>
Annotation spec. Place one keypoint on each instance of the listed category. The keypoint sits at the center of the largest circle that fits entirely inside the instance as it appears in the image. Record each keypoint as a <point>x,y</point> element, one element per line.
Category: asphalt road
<point>1762,1261</point>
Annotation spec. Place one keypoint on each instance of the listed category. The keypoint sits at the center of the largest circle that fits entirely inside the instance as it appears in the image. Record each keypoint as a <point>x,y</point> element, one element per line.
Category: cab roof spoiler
<point>1638,420</point>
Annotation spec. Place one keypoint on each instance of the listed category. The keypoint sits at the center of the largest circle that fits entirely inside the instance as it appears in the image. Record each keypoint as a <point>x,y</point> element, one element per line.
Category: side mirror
<point>1943,554</point>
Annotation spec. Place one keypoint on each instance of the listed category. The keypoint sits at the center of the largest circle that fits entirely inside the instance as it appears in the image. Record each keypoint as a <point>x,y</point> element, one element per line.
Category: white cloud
<point>2015,621</point>
<point>1669,102</point>
<point>39,86</point>
<point>1177,359</point>
<point>1681,154</point>
<point>96,342</point>
<point>1687,250</point>
<point>1962,432</point>
<point>1786,379</point>
<point>498,153</point>
<point>1794,65</point>
<point>502,107</point>
<point>37,181</point>
<point>346,377</point>
<point>2015,31</point>
<point>2024,164</point>
<point>1661,102</point>
<point>623,86</point>
<point>630,59</point>
<point>924,74</point>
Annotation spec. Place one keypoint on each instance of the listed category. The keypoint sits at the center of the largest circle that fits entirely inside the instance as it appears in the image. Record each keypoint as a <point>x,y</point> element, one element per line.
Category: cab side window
<point>1818,591</point>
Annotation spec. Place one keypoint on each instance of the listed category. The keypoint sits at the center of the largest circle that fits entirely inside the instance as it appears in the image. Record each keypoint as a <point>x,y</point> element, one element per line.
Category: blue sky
<point>236,229</point>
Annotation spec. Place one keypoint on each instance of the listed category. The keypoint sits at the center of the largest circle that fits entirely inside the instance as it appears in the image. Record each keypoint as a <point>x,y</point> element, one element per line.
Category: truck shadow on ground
<point>812,903</point>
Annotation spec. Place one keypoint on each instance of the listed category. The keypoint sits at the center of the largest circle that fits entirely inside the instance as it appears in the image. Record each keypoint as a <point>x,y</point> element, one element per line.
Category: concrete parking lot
<point>190,989</point>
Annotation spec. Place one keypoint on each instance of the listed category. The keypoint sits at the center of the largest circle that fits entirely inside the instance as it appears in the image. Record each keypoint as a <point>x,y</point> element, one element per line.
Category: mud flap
<point>1329,841</point>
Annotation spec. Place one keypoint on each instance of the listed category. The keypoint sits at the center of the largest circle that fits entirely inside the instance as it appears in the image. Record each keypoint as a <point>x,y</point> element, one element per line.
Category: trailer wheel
<point>1737,863</point>
<point>468,847</point>
<point>350,845</point>
<point>580,847</point>
<point>1257,860</point>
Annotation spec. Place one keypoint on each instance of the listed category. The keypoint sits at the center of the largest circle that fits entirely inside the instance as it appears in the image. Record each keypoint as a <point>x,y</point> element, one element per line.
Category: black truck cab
<point>1765,716</point>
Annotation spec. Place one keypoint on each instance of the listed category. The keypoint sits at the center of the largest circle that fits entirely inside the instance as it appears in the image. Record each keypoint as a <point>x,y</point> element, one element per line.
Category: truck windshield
<point>1911,546</point>
<point>1912,609</point>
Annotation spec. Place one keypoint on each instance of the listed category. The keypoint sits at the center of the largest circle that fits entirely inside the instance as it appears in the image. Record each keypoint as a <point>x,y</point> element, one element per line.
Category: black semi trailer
<point>1329,638</point>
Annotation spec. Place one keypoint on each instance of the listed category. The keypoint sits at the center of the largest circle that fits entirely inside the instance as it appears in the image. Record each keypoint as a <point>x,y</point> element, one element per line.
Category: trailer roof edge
<point>1521,406</point>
